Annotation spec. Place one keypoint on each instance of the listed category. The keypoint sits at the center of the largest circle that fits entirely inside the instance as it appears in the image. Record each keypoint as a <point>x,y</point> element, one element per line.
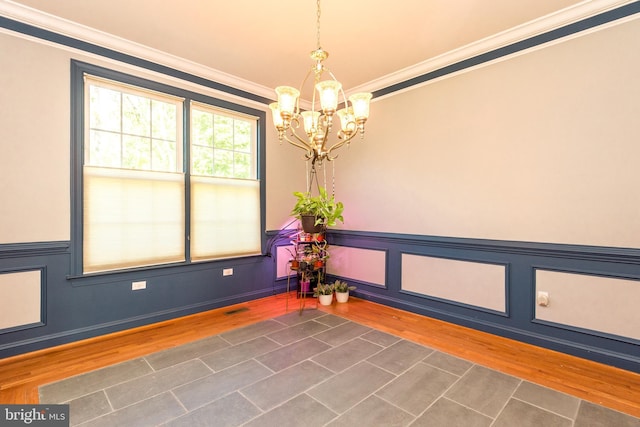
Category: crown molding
<point>559,19</point>
<point>541,25</point>
<point>74,30</point>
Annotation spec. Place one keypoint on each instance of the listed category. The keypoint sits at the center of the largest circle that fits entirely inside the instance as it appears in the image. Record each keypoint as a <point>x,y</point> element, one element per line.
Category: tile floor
<point>314,369</point>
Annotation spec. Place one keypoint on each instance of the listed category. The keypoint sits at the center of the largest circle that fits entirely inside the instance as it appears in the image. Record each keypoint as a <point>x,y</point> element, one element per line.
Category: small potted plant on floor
<point>342,290</point>
<point>324,292</point>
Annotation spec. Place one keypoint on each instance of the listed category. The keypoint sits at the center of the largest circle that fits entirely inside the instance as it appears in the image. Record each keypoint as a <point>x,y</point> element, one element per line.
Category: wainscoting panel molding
<point>283,255</point>
<point>21,299</point>
<point>472,283</point>
<point>597,303</point>
<point>362,265</point>
<point>77,308</point>
<point>591,312</point>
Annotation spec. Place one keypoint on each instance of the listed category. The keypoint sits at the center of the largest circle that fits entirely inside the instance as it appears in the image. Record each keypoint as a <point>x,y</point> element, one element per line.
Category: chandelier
<point>318,123</point>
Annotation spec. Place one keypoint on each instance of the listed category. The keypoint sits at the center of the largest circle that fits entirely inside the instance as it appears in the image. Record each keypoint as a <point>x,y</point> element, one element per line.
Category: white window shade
<point>225,218</point>
<point>132,218</point>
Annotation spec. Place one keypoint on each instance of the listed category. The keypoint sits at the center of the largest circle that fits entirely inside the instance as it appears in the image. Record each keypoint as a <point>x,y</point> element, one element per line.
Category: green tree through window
<point>221,144</point>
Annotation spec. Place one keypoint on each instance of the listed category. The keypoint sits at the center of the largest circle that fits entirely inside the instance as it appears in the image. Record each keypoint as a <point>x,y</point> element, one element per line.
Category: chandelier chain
<point>318,24</point>
<point>333,179</point>
<point>308,175</point>
<point>324,172</point>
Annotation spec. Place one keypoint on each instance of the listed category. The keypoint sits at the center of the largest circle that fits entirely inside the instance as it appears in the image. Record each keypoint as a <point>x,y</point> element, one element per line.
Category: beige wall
<point>538,147</point>
<point>35,142</point>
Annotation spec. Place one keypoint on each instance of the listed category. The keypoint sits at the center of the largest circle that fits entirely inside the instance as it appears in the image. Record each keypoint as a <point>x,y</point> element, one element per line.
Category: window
<point>223,198</point>
<point>140,204</point>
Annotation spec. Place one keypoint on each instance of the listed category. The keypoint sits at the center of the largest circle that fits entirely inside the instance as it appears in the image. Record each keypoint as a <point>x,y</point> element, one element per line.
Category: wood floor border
<point>618,389</point>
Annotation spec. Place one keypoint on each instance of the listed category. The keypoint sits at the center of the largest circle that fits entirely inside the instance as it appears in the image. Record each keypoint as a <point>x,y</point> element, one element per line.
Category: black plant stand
<point>309,264</point>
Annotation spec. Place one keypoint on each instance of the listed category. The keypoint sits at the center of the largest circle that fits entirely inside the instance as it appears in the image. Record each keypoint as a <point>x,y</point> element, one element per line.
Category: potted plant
<point>342,290</point>
<point>320,254</point>
<point>293,261</point>
<point>305,282</point>
<point>318,212</point>
<point>324,292</point>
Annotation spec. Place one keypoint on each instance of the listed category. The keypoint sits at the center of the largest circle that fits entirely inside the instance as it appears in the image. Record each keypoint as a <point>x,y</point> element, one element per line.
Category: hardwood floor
<point>615,388</point>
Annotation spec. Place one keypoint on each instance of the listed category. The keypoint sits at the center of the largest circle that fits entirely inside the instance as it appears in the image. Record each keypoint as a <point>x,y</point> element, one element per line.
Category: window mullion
<point>121,128</point>
<point>186,169</point>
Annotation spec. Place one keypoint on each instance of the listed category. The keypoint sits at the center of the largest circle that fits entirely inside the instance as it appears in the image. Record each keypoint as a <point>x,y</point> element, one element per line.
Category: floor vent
<point>237,310</point>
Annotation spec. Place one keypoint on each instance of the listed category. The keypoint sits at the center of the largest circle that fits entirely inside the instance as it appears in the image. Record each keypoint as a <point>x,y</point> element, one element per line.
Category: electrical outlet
<point>227,272</point>
<point>543,299</point>
<point>136,286</point>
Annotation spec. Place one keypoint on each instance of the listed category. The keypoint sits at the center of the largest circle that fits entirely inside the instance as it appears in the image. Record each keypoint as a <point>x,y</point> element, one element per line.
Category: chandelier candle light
<point>318,122</point>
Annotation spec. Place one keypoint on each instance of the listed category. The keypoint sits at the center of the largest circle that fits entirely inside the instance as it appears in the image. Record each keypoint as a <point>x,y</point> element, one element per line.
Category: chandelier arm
<point>303,146</point>
<point>310,154</point>
<point>300,142</point>
<point>340,144</point>
<point>331,158</point>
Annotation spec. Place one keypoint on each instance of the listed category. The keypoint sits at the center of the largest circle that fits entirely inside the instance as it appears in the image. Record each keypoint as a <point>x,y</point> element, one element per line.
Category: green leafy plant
<point>325,209</point>
<point>321,251</point>
<point>323,289</point>
<point>341,286</point>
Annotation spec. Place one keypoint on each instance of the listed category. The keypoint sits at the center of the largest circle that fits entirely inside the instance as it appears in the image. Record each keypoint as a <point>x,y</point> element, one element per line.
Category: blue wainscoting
<point>79,308</point>
<point>522,260</point>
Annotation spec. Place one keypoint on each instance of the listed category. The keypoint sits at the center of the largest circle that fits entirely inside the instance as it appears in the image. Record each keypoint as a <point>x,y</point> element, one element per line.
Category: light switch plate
<point>136,286</point>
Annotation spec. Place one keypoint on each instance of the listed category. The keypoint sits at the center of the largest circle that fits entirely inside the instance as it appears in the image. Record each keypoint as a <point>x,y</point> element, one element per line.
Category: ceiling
<point>372,43</point>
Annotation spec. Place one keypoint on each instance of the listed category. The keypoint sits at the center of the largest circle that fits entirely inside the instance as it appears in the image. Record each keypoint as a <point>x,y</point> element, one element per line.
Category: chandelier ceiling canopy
<point>319,122</point>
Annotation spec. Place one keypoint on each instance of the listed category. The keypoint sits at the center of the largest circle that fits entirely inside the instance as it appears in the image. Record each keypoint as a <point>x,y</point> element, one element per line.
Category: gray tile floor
<point>314,369</point>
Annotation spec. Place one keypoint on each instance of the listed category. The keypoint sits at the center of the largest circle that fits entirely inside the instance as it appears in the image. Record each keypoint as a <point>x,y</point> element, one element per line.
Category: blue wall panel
<point>86,307</point>
<point>82,308</point>
<point>521,259</point>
